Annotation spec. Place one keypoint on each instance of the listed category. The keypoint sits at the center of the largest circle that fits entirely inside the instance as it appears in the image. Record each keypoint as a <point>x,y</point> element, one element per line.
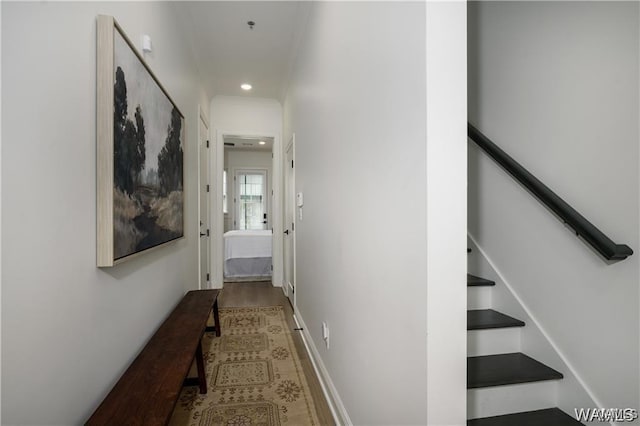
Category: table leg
<point>202,380</point>
<point>216,320</point>
<point>216,317</point>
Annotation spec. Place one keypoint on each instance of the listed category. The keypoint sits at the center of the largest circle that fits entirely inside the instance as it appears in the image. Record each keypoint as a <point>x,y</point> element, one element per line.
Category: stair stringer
<point>572,391</point>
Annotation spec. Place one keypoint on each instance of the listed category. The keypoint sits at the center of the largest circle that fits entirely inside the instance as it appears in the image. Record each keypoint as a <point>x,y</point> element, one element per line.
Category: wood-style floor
<point>264,294</point>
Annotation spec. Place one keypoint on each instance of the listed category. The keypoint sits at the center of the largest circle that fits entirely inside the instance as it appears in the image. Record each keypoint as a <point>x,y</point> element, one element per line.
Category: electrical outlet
<point>325,334</point>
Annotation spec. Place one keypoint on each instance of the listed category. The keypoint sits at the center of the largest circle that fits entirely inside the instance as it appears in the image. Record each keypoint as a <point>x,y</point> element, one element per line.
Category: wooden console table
<point>147,392</point>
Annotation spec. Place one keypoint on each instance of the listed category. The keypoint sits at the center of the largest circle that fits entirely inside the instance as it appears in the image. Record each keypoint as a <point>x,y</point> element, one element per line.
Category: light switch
<point>146,43</point>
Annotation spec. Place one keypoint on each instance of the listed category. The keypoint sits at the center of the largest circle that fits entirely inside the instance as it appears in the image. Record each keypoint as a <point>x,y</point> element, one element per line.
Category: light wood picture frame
<point>140,158</point>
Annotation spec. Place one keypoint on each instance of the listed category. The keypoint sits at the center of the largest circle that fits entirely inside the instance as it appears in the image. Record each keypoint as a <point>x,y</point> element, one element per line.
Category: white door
<point>251,199</point>
<point>205,202</point>
<point>289,223</point>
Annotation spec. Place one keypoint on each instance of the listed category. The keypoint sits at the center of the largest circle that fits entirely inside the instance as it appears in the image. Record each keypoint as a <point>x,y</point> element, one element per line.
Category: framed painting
<point>140,136</point>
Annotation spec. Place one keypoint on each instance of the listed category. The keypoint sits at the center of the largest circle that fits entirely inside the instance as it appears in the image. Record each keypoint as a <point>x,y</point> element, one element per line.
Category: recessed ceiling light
<point>262,142</point>
<point>245,86</point>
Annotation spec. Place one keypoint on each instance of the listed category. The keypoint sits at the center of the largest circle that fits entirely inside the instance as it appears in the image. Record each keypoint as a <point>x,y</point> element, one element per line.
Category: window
<point>251,199</point>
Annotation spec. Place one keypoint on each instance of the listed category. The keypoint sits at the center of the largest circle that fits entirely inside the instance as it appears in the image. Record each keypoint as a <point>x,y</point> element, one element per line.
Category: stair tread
<point>506,369</point>
<point>473,281</point>
<point>481,319</point>
<point>547,417</point>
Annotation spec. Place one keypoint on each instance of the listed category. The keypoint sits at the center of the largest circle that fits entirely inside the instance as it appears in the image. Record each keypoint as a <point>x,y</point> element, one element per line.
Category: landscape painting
<point>147,157</point>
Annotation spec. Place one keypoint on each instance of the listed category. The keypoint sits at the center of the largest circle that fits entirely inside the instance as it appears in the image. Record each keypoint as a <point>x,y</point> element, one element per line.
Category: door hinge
<point>208,233</point>
<point>208,276</point>
<point>293,226</point>
<point>207,188</point>
<point>272,267</point>
<point>292,164</point>
<point>207,144</point>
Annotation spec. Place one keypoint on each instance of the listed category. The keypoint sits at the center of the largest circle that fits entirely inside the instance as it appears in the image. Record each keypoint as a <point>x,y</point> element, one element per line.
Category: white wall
<point>557,86</point>
<point>245,116</point>
<point>236,160</point>
<point>357,105</point>
<point>446,212</point>
<point>69,330</point>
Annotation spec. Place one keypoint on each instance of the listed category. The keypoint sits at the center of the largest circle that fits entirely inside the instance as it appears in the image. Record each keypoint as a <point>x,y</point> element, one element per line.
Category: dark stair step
<point>546,417</point>
<point>481,319</point>
<point>506,369</point>
<point>473,281</point>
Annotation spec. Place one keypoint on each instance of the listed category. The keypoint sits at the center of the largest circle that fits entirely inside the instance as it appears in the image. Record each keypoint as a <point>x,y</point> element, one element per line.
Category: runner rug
<point>254,375</point>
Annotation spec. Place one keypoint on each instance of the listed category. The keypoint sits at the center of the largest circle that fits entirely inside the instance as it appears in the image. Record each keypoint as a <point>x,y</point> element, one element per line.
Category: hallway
<point>346,82</point>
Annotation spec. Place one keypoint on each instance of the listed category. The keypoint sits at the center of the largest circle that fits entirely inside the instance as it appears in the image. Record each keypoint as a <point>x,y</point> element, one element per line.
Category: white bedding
<point>243,244</point>
<point>247,253</point>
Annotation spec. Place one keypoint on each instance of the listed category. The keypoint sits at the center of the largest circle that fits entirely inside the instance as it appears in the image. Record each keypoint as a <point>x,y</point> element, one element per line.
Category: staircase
<point>504,386</point>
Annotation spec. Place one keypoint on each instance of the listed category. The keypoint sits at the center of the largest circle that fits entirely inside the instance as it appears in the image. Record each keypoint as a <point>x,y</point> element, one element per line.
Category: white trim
<point>206,125</point>
<point>287,285</point>
<point>217,216</point>
<point>338,410</point>
<point>295,237</point>
<point>536,322</point>
<point>203,117</point>
<point>446,212</point>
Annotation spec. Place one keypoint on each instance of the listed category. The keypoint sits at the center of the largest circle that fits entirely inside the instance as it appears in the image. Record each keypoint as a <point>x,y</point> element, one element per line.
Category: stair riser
<point>493,341</point>
<point>479,297</point>
<point>498,400</point>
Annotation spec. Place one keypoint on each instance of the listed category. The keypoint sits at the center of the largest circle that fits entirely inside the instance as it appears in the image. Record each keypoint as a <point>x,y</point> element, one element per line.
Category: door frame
<point>236,190</point>
<point>290,198</point>
<point>217,223</point>
<point>202,117</point>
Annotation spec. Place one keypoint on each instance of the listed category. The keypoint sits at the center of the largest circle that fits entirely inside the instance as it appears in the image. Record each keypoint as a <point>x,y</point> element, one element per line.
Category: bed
<point>247,255</point>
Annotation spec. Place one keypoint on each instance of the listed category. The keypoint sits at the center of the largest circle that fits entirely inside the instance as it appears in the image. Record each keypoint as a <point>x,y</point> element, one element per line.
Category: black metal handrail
<point>582,227</point>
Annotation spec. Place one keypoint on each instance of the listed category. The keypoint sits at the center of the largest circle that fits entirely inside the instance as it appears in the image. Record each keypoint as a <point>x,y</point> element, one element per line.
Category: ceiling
<point>243,143</point>
<point>229,53</point>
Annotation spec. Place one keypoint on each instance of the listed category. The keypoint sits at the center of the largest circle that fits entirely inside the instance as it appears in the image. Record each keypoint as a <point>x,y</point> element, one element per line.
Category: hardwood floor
<point>264,294</point>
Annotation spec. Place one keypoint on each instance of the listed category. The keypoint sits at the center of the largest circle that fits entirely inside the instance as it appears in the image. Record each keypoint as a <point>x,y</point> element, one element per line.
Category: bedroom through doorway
<point>247,201</point>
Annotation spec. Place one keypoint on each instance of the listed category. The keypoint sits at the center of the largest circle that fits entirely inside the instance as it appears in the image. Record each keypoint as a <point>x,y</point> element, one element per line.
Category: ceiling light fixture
<point>262,143</point>
<point>245,86</point>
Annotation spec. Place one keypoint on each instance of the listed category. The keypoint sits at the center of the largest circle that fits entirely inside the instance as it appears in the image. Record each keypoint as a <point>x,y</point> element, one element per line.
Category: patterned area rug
<point>254,375</point>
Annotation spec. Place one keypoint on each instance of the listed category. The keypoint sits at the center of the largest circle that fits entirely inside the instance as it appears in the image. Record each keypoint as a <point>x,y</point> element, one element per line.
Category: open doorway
<point>247,204</point>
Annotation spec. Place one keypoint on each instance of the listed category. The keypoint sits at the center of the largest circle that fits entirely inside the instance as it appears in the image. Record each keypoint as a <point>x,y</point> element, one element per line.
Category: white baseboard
<point>338,411</point>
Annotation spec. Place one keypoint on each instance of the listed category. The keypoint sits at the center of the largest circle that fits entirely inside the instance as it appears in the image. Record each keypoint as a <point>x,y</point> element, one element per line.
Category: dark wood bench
<point>147,392</point>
